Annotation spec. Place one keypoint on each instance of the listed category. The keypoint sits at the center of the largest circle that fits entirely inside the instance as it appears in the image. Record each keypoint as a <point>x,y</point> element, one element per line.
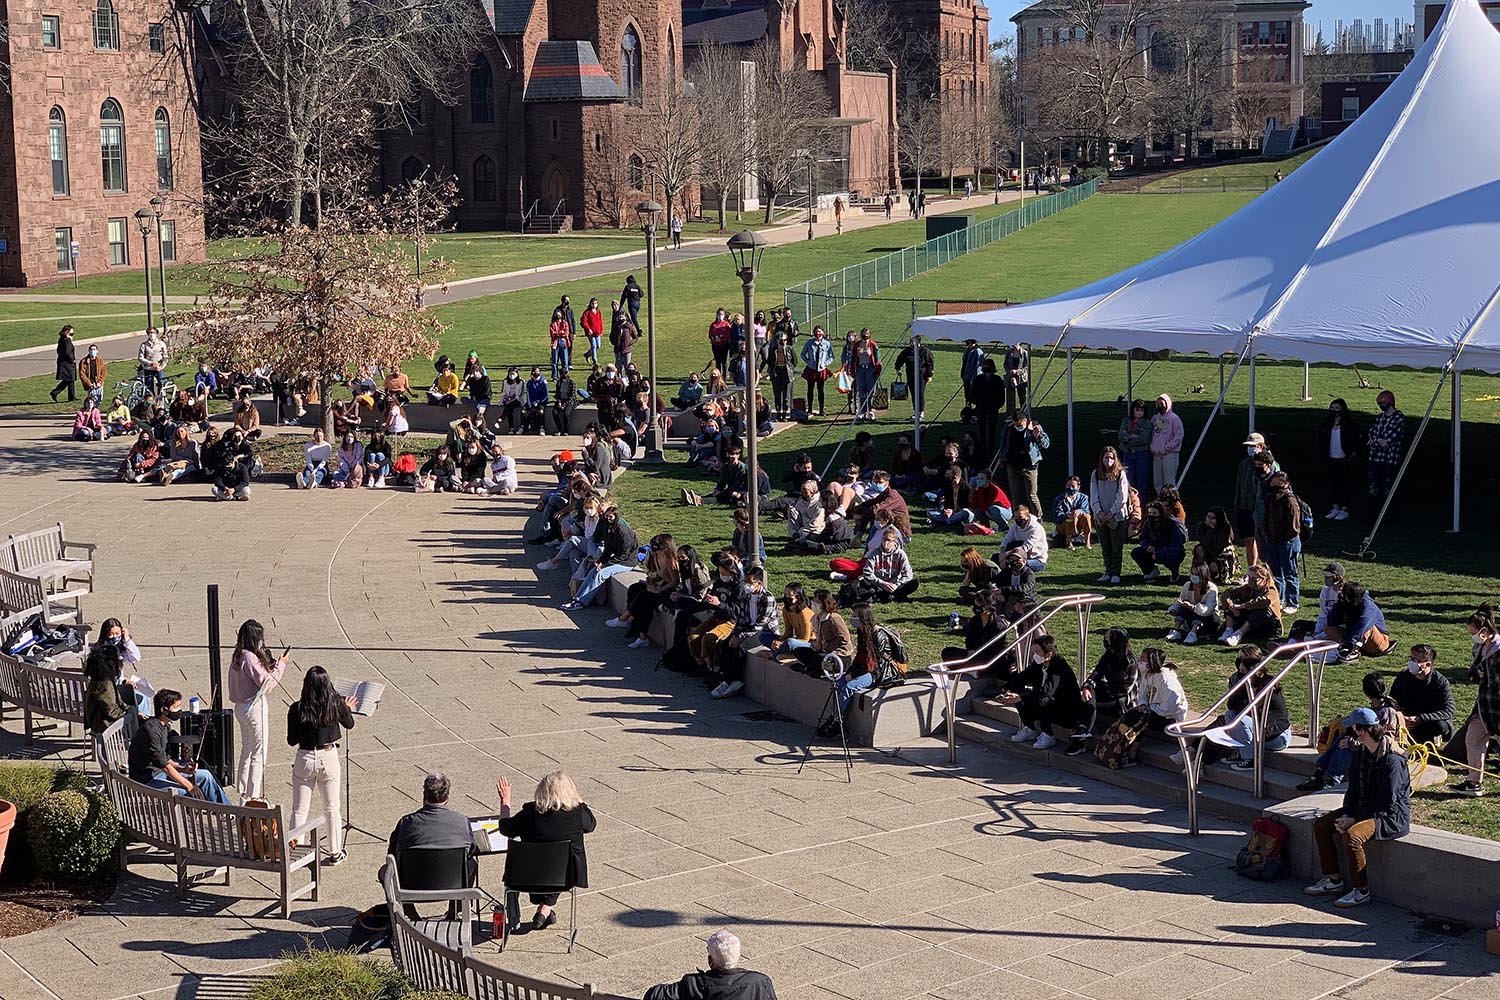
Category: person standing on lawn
<point>1021,447</point>
<point>1340,439</point>
<point>1166,443</point>
<point>67,365</point>
<point>1248,501</point>
<point>592,322</point>
<point>1385,444</point>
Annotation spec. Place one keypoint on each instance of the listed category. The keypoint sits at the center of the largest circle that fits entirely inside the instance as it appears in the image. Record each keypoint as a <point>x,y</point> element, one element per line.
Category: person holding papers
<point>314,724</point>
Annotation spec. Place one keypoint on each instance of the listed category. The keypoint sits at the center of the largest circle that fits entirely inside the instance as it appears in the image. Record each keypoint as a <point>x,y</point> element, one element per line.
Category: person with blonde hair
<point>556,813</point>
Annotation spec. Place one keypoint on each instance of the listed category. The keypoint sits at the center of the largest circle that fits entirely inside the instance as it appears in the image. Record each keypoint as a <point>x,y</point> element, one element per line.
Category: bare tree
<point>956,137</point>
<point>319,303</point>
<point>1001,115</point>
<point>921,129</point>
<point>1096,81</point>
<point>614,178</point>
<point>671,141</point>
<point>873,36</point>
<point>1259,95</point>
<point>1191,59</point>
<point>723,96</point>
<point>308,73</point>
<point>1324,65</point>
<point>788,105</point>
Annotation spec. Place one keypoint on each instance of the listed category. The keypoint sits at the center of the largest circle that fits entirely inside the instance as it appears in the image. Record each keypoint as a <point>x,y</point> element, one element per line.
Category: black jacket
<point>1052,686</point>
<point>1380,789</point>
<point>67,364</point>
<point>904,363</point>
<point>617,543</point>
<point>1428,699</point>
<point>716,984</point>
<point>1112,678</point>
<point>553,827</point>
<point>1020,585</point>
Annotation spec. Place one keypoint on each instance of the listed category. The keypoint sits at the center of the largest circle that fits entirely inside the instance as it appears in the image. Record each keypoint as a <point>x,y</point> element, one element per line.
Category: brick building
<point>1428,12</point>
<point>1262,72</point>
<point>95,124</point>
<point>947,47</point>
<point>554,112</point>
<point>858,149</point>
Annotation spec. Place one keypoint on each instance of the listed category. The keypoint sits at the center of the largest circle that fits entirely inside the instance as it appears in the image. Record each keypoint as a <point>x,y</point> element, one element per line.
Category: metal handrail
<point>526,216</point>
<point>1258,706</point>
<point>947,672</point>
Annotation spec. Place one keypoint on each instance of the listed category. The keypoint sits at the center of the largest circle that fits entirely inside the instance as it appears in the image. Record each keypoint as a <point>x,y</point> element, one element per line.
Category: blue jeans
<point>593,349</point>
<point>1335,761</point>
<point>1282,561</point>
<point>560,359</point>
<point>593,583</point>
<point>1244,734</point>
<point>864,386</point>
<point>846,687</point>
<point>313,475</point>
<point>206,782</point>
<point>1138,471</point>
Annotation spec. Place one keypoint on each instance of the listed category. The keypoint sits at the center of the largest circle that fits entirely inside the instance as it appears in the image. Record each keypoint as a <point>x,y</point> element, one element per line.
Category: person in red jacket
<point>720,332</point>
<point>592,322</point>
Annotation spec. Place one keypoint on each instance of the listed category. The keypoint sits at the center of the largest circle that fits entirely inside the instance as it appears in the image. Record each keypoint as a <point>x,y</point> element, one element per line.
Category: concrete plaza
<point>986,880</point>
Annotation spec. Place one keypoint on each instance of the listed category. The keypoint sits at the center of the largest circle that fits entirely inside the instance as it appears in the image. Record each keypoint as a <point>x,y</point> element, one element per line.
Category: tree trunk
<point>723,200</point>
<point>671,203</point>
<point>770,206</point>
<point>327,419</point>
<point>296,188</point>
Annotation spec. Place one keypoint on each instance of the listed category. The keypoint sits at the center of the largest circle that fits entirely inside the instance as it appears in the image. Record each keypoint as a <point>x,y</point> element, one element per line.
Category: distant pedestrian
<point>968,188</point>
<point>67,365</point>
<point>921,204</point>
<point>153,359</point>
<point>1166,443</point>
<point>676,228</point>
<point>911,203</point>
<point>973,358</point>
<point>630,298</point>
<point>592,322</point>
<point>887,204</point>
<point>838,214</point>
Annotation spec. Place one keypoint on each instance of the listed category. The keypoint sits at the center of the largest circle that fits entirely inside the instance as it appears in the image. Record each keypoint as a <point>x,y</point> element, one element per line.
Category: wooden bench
<point>46,556</point>
<point>24,597</point>
<point>42,691</point>
<point>194,833</point>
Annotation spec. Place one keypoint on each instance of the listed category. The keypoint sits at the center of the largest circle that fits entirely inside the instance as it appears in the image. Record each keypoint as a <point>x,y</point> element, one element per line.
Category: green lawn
<point>1232,176</point>
<point>31,324</point>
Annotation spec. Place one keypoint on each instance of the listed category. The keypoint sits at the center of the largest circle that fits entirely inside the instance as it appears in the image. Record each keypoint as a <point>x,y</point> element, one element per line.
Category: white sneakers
<point>1026,735</point>
<point>547,564</point>
<point>727,689</point>
<point>640,642</point>
<point>1329,886</point>
<point>617,623</point>
<point>1230,638</point>
<point>1336,515</point>
<point>1046,741</point>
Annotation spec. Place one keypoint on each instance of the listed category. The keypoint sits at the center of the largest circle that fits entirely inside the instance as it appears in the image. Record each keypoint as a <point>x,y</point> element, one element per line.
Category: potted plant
<point>7,820</point>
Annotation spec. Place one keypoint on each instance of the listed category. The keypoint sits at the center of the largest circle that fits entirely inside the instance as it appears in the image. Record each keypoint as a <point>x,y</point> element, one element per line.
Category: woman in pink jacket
<point>253,675</point>
<point>1166,443</point>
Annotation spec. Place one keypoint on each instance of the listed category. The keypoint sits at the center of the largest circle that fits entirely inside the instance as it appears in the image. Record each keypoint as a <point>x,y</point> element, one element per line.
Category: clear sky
<point>1326,11</point>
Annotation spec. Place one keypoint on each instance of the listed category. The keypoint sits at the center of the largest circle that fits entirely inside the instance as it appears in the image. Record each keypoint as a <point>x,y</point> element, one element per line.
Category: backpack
<point>1304,518</point>
<point>892,674</point>
<point>260,833</point>
<point>1261,857</point>
<point>1116,747</point>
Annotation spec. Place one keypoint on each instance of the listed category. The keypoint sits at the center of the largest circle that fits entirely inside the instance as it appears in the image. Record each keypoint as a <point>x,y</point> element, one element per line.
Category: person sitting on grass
<point>935,472</point>
<point>906,465</point>
<point>1339,748</point>
<point>740,540</point>
<point>1278,734</point>
<point>152,755</point>
<point>1045,694</point>
<point>1357,624</point>
<point>724,980</point>
<point>1196,607</point>
<point>979,574</point>
<point>1070,513</point>
<point>1163,543</point>
<point>879,497</point>
<point>952,505</point>
<point>350,469</point>
<point>141,460</point>
<point>1027,532</point>
<point>838,533</point>
<point>1159,690</point>
<point>1215,534</point>
<point>88,423</point>
<point>1424,698</point>
<point>1108,689</point>
<point>118,418</point>
<point>885,576</point>
<point>1377,806</point>
<point>316,455</point>
<point>805,518</point>
<point>1483,723</point>
<point>1252,611</point>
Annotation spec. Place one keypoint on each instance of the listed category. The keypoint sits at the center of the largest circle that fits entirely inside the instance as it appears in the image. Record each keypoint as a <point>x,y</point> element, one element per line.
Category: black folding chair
<point>541,868</point>
<point>436,875</point>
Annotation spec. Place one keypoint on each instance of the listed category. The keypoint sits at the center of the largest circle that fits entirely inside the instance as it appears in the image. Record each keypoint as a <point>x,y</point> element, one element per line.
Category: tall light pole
<point>157,204</point>
<point>145,219</point>
<point>811,197</point>
<point>747,248</point>
<point>648,212</point>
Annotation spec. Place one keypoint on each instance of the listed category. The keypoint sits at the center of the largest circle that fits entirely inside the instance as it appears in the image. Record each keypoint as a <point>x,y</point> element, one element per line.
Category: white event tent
<point>1384,248</point>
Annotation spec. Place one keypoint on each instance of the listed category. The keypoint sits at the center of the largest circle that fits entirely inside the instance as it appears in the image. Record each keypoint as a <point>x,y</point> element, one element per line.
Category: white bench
<point>47,556</point>
<point>42,691</point>
<point>194,833</point>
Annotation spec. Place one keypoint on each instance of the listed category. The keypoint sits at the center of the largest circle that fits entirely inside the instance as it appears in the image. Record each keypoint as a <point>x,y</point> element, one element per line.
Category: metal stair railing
<point>1199,729</point>
<point>946,673</point>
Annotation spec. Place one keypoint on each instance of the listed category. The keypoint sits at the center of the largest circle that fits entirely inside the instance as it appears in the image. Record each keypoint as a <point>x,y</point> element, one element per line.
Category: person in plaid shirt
<point>1385,443</point>
<point>1484,722</point>
<point>757,619</point>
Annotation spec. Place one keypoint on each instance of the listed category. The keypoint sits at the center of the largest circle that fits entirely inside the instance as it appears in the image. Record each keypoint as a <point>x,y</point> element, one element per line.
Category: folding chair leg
<point>572,919</point>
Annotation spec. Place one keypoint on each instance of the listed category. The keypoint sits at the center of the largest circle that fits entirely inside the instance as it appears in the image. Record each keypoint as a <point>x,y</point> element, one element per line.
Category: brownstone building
<point>95,124</point>
<point>948,42</point>
<point>550,131</point>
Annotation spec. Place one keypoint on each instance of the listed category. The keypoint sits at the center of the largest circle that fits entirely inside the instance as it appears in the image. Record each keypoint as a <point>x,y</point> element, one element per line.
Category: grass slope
<point>33,324</point>
<point>1232,176</point>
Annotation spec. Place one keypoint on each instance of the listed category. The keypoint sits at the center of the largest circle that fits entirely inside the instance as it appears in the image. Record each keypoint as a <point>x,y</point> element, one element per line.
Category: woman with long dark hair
<point>314,724</point>
<point>253,674</point>
<point>102,704</point>
<point>645,596</point>
<point>1340,439</point>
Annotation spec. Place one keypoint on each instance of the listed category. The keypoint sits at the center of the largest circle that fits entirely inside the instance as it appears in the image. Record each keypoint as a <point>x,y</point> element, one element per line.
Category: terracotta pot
<point>7,820</point>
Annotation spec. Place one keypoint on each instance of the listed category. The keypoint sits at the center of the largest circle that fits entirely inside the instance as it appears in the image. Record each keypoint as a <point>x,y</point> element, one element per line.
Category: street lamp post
<point>811,197</point>
<point>157,204</point>
<point>144,218</point>
<point>747,248</point>
<point>648,212</point>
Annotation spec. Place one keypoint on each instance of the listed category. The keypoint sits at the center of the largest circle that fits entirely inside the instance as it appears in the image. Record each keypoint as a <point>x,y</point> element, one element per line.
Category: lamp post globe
<point>747,247</point>
<point>649,214</point>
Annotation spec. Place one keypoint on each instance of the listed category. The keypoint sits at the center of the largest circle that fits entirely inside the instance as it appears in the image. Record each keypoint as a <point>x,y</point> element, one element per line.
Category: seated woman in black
<point>557,813</point>
<point>1045,694</point>
<point>1109,688</point>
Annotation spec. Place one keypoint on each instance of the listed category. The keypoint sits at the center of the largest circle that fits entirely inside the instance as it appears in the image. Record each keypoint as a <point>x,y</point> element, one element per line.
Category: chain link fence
<point>811,301</point>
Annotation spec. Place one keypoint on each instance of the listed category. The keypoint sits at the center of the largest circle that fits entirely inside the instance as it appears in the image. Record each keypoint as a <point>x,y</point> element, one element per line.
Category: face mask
<point>175,714</point>
<point>1109,463</point>
<point>1251,450</point>
<point>93,352</point>
<point>116,639</point>
<point>1161,407</point>
<point>877,488</point>
<point>1196,579</point>
<point>1414,666</point>
<point>1072,490</point>
<point>1385,407</point>
<point>1038,658</point>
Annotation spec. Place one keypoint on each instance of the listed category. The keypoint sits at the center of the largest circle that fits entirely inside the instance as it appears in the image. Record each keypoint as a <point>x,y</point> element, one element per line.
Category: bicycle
<point>135,389</point>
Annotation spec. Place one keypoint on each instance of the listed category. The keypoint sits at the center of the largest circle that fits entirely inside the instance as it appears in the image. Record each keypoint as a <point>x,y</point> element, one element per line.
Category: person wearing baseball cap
<point>1377,806</point>
<point>1247,497</point>
<point>1386,442</point>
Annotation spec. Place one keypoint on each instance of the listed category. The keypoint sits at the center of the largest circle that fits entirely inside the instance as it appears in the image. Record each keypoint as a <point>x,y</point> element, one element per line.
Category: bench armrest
<point>88,547</point>
<point>306,828</point>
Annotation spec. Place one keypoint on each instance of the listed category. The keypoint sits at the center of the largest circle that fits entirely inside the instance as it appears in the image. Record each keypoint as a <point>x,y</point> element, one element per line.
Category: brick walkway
<point>990,880</point>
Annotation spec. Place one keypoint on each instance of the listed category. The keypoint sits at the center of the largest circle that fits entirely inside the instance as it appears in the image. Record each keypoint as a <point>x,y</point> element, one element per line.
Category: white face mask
<point>1414,666</point>
<point>1196,579</point>
<point>1109,463</point>
<point>1038,657</point>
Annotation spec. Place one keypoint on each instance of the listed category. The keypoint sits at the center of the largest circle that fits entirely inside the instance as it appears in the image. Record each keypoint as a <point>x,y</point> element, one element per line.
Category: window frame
<point>162,125</point>
<point>55,21</point>
<point>632,65</point>
<point>57,129</point>
<point>106,20</point>
<point>635,172</point>
<point>484,186</point>
<point>123,243</point>
<point>482,112</point>
<point>117,126</point>
<point>156,35</point>
<point>407,174</point>
<point>1344,107</point>
<point>168,240</point>
<point>65,251</point>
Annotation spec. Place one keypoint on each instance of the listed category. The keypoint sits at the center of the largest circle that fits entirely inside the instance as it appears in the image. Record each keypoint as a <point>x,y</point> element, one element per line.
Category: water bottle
<point>497,920</point>
<point>195,705</point>
<point>953,622</point>
<point>640,555</point>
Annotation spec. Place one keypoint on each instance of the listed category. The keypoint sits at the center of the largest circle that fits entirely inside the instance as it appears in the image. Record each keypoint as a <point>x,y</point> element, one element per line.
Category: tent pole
<point>1070,410</point>
<point>1129,383</point>
<point>1252,393</point>
<point>1221,373</point>
<point>1306,382</point>
<point>1458,435</point>
<point>918,389</point>
<point>1218,405</point>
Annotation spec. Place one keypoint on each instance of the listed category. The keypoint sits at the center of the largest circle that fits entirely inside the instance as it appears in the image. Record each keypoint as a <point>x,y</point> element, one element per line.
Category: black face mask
<point>175,714</point>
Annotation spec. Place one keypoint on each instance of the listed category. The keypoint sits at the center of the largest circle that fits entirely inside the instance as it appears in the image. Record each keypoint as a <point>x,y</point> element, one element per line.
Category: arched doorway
<point>555,188</point>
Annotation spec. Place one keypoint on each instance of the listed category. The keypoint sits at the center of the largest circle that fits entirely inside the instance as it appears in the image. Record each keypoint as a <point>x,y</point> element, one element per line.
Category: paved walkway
<point>122,347</point>
<point>989,880</point>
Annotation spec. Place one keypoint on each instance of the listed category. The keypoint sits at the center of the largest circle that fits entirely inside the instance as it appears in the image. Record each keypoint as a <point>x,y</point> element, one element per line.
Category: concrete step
<point>1156,752</point>
<point>1213,800</point>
